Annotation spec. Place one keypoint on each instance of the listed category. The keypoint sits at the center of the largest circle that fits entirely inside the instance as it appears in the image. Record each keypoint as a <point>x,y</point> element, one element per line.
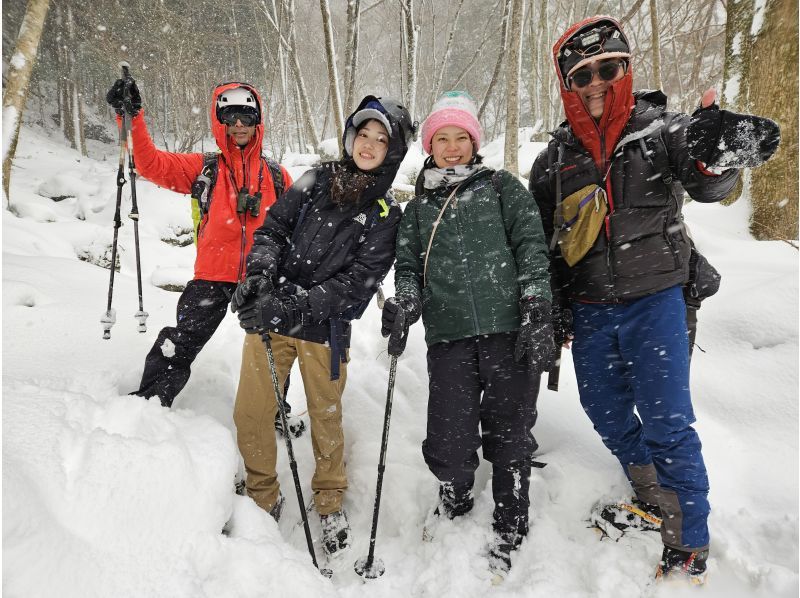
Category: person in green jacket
<point>472,261</point>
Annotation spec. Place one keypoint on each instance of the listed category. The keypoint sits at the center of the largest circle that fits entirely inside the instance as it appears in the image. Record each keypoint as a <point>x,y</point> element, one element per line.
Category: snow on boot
<point>296,425</point>
<point>500,549</point>
<point>678,564</point>
<point>455,500</point>
<point>614,519</point>
<point>335,533</point>
<point>277,508</point>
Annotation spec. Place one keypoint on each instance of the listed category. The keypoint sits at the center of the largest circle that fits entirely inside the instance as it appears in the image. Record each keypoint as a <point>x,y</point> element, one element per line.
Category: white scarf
<point>447,177</point>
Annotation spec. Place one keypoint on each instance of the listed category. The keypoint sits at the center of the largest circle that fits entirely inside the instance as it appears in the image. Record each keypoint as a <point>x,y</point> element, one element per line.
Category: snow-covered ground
<point>107,495</point>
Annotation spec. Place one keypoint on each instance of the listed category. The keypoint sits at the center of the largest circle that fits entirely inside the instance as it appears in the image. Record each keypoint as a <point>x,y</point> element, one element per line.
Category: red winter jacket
<point>224,237</point>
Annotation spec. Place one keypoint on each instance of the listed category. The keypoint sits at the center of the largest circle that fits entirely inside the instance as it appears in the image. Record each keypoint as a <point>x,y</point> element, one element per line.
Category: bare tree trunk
<point>411,37</point>
<point>242,75</point>
<point>511,161</point>
<point>774,93</point>
<point>499,63</point>
<point>301,86</point>
<point>632,12</point>
<point>351,53</point>
<point>654,38</point>
<point>437,85</point>
<point>738,46</point>
<point>78,139</point>
<point>19,75</point>
<point>333,75</point>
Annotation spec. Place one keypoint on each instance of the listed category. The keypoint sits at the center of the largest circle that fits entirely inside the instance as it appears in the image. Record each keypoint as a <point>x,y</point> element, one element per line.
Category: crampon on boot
<point>615,519</point>
<point>677,564</point>
<point>335,533</point>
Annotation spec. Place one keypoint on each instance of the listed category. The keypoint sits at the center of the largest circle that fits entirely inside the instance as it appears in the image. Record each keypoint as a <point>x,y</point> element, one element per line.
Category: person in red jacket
<point>235,208</point>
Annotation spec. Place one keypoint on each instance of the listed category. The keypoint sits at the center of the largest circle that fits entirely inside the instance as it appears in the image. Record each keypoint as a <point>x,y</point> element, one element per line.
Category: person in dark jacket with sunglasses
<point>610,189</point>
<point>225,232</point>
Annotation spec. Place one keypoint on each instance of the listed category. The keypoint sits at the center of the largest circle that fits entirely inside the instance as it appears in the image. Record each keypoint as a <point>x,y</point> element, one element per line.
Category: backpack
<point>203,186</point>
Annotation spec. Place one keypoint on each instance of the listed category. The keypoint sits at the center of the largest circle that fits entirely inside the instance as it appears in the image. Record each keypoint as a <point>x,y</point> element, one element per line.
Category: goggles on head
<point>231,114</point>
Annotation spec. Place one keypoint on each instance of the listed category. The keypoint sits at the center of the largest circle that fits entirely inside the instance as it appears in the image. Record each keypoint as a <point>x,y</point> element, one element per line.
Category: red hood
<point>219,130</point>
<point>618,105</point>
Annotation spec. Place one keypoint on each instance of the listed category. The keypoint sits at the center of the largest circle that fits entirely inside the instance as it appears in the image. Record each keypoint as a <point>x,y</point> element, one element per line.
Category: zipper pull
<point>596,201</point>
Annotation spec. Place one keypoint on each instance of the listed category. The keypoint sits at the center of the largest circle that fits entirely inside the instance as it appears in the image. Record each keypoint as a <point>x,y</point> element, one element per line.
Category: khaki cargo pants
<point>254,416</point>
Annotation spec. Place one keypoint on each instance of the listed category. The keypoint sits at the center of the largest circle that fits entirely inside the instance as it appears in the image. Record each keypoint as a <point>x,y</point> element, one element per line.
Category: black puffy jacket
<point>339,255</point>
<point>643,247</point>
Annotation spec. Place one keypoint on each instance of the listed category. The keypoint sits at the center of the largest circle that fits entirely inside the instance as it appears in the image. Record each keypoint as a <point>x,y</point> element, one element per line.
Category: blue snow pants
<point>635,355</point>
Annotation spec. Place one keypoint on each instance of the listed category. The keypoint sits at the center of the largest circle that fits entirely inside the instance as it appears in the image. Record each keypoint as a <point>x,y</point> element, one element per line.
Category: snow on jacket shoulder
<point>643,247</point>
<point>224,236</point>
<point>487,252</point>
<point>340,254</point>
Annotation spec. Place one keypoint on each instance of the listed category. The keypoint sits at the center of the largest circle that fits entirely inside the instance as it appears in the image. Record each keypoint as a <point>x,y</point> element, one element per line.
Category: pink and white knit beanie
<point>453,108</point>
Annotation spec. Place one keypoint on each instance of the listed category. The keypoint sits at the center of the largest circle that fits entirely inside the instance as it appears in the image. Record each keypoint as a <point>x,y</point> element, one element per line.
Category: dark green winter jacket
<point>487,253</point>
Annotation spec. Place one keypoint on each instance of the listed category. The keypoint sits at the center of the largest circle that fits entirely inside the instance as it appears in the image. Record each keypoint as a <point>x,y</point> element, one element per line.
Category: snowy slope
<point>107,495</point>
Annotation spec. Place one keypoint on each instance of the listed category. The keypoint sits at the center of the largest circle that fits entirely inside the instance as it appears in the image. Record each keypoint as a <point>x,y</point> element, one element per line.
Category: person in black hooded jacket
<point>323,250</point>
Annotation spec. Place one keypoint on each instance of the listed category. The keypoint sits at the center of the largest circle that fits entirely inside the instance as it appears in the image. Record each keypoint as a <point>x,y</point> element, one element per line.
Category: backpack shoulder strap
<point>555,159</point>
<point>278,182</point>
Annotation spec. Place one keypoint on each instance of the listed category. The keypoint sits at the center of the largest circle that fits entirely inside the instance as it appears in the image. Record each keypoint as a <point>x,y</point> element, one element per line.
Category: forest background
<point>313,60</point>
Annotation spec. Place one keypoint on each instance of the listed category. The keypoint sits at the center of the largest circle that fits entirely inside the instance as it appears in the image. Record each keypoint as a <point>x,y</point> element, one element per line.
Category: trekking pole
<point>141,315</point>
<point>292,461</point>
<point>370,567</point>
<point>110,317</point>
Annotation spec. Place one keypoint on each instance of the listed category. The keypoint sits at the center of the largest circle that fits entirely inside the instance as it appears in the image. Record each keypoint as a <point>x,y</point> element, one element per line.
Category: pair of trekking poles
<point>368,567</point>
<point>125,147</point>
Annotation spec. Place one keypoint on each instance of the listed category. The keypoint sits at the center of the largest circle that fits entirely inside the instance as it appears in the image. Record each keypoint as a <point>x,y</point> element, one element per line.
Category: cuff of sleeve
<point>710,170</point>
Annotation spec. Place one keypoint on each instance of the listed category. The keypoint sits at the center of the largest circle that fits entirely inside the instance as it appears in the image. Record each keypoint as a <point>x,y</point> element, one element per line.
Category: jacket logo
<point>361,219</point>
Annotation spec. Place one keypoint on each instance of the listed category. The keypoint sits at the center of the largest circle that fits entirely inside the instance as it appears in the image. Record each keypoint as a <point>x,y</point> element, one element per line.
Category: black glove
<point>399,313</point>
<point>535,339</point>
<point>562,324</point>
<point>116,97</point>
<point>252,286</point>
<point>725,139</point>
<point>270,313</point>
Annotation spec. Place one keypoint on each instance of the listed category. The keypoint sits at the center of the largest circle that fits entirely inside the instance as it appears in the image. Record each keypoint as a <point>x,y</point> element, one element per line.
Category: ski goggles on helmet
<point>231,114</point>
<point>607,70</point>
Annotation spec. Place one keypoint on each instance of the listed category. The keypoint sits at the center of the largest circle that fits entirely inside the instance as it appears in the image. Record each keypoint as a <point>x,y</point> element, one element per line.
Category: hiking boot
<point>455,500</point>
<point>277,508</point>
<point>615,519</point>
<point>296,425</point>
<point>335,533</point>
<point>500,549</point>
<point>678,563</point>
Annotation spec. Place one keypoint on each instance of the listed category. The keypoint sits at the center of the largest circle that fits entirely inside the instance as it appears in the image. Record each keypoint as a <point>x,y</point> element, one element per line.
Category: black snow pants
<point>475,383</point>
<point>201,308</point>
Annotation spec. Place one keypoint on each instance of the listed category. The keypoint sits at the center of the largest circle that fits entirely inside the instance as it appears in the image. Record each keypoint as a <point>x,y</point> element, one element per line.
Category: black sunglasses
<point>229,117</point>
<point>608,71</point>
